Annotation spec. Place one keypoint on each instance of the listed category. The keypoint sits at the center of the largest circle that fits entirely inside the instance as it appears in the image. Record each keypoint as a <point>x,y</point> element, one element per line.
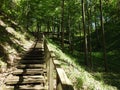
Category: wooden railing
<point>54,68</point>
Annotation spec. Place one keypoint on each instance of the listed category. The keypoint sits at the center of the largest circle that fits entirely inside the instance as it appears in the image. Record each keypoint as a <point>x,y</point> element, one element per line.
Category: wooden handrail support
<point>62,81</point>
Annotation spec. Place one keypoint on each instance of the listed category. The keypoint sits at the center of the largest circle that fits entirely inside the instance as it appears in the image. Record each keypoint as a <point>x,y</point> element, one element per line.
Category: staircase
<point>31,71</point>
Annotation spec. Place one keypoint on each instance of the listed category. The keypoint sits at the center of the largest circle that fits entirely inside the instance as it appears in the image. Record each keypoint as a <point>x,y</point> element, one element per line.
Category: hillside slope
<point>81,79</point>
<point>14,41</point>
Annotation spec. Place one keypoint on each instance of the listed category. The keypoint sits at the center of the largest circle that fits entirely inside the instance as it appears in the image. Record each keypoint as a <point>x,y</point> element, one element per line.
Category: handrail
<point>52,64</point>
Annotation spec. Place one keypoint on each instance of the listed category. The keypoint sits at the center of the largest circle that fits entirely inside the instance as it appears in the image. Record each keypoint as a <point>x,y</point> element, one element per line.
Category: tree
<point>103,36</point>
<point>89,19</point>
<point>62,24</point>
<point>85,33</point>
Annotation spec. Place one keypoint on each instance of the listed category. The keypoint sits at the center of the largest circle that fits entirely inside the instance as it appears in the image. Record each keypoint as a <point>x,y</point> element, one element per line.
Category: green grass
<point>80,77</point>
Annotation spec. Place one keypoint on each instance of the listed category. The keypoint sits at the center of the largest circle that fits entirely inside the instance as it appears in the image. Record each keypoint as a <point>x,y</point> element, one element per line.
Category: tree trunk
<point>62,25</point>
<point>96,30</point>
<point>89,37</point>
<point>58,31</point>
<point>85,34</point>
<point>69,34</point>
<point>48,26</point>
<point>37,31</point>
<point>103,37</point>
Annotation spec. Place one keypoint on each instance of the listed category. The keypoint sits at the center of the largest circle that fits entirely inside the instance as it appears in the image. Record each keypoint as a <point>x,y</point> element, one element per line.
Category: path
<point>31,72</point>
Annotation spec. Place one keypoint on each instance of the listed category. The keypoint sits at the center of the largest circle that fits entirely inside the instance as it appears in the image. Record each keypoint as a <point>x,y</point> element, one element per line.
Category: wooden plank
<point>29,71</point>
<point>33,58</point>
<point>56,63</point>
<point>64,81</point>
<point>51,74</point>
<point>27,87</point>
<point>39,45</point>
<point>63,76</point>
<point>36,51</point>
<point>25,80</point>
<point>52,54</point>
<point>33,55</point>
<point>30,66</point>
<point>32,61</point>
<point>39,48</point>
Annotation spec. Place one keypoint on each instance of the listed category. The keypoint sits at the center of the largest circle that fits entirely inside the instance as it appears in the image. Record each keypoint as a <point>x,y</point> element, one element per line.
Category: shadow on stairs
<point>31,73</point>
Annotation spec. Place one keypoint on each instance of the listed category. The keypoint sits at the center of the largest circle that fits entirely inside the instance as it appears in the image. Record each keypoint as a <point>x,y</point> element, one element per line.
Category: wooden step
<point>32,61</point>
<point>39,45</point>
<point>25,80</point>
<point>33,58</point>
<point>39,48</point>
<point>22,66</point>
<point>27,87</point>
<point>35,51</point>
<point>34,54</point>
<point>29,71</point>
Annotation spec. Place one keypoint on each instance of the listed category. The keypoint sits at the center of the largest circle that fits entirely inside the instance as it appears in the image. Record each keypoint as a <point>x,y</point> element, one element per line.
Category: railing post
<point>51,74</point>
<point>62,81</point>
<point>51,71</point>
<point>49,66</point>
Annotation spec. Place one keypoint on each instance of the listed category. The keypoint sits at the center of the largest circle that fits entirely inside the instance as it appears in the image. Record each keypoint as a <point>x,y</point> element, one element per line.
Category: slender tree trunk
<point>80,37</point>
<point>96,30</point>
<point>48,26</point>
<point>103,37</point>
<point>40,28</point>
<point>27,18</point>
<point>62,25</point>
<point>53,27</point>
<point>27,22</point>
<point>37,31</point>
<point>58,31</point>
<point>85,33</point>
<point>89,37</point>
<point>69,33</point>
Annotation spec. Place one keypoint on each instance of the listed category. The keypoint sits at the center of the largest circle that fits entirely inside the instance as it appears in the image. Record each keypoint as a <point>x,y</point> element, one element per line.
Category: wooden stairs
<point>31,71</point>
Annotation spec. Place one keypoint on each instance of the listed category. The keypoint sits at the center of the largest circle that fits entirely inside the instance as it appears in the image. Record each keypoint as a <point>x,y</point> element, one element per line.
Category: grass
<point>80,77</point>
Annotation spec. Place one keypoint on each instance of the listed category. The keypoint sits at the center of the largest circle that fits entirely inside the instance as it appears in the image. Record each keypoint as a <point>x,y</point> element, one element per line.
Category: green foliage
<point>80,82</point>
<point>47,14</point>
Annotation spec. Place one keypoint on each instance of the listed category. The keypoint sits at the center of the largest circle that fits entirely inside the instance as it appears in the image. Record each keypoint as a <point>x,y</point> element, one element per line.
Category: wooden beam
<point>64,81</point>
<point>57,63</point>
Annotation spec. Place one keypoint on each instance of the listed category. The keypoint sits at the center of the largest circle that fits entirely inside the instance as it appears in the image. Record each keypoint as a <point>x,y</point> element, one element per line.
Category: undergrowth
<point>81,79</point>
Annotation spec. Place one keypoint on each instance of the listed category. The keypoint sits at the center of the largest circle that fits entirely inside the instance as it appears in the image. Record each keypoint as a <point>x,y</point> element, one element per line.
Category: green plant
<point>80,82</point>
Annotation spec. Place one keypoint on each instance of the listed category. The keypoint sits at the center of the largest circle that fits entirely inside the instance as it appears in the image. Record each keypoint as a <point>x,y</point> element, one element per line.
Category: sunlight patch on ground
<point>81,79</point>
<point>2,23</point>
<point>20,38</point>
<point>17,42</point>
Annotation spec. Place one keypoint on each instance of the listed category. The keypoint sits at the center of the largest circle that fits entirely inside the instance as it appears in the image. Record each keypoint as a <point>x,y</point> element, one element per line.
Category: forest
<point>86,31</point>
